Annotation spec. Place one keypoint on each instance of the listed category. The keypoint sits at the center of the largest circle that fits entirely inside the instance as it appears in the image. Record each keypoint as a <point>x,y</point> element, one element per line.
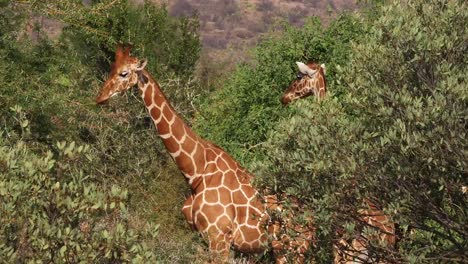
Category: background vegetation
<point>240,115</point>
<point>55,82</point>
<point>393,128</point>
<point>80,182</point>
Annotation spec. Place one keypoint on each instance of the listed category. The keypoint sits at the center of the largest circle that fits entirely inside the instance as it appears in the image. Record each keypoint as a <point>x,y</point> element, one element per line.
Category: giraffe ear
<point>324,68</point>
<point>141,65</point>
<point>304,69</point>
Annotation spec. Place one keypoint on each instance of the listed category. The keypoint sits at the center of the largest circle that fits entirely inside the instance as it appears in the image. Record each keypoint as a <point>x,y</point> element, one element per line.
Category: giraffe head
<point>310,80</point>
<point>123,76</point>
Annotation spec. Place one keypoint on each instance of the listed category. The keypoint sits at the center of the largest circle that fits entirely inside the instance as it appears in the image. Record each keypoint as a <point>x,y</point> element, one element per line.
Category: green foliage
<point>239,116</point>
<point>55,81</point>
<point>397,135</point>
<point>393,130</point>
<point>53,212</point>
<point>171,45</point>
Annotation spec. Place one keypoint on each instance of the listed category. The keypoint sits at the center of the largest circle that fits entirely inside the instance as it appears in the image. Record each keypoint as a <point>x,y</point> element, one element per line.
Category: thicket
<point>52,211</point>
<point>55,81</point>
<point>392,129</point>
<point>396,135</point>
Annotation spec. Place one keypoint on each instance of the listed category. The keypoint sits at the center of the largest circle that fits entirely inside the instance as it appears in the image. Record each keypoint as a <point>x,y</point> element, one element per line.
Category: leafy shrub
<point>170,44</point>
<point>55,82</point>
<point>53,212</point>
<point>396,135</point>
<point>239,115</point>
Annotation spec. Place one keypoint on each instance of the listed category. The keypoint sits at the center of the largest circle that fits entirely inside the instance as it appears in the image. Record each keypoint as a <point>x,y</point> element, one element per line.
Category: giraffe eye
<point>123,74</point>
<point>299,75</point>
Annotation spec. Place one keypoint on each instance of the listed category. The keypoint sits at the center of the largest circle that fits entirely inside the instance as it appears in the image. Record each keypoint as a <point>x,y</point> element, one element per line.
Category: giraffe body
<point>357,250</point>
<point>223,205</point>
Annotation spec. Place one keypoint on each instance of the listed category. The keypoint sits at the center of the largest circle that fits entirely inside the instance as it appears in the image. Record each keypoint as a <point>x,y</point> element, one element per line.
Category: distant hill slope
<point>237,23</point>
<point>229,27</point>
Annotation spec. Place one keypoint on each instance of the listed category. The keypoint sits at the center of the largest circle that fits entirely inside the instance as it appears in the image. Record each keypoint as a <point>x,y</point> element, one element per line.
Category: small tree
<point>56,80</point>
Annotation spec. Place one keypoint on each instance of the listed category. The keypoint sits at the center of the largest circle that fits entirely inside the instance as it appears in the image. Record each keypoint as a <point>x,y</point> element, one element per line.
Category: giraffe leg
<point>219,244</point>
<point>214,226</point>
<point>294,248</point>
<point>277,246</point>
<point>287,247</point>
<point>187,211</point>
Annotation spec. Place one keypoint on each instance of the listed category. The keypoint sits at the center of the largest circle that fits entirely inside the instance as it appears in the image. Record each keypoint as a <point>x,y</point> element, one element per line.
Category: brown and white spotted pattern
<point>357,250</point>
<point>310,81</point>
<point>223,205</point>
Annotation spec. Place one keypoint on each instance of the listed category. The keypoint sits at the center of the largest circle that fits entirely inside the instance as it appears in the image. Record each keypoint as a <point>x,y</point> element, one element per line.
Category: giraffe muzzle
<point>285,100</point>
<point>102,99</point>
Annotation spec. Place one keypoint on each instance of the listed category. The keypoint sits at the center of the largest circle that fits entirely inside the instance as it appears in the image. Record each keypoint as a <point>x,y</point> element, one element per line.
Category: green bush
<point>170,44</point>
<point>55,81</point>
<point>397,135</point>
<point>51,211</point>
<point>239,115</point>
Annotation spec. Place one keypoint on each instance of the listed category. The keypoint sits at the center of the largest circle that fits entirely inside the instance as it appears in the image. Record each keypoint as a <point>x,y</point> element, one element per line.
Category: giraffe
<point>357,251</point>
<point>223,205</point>
<point>311,80</point>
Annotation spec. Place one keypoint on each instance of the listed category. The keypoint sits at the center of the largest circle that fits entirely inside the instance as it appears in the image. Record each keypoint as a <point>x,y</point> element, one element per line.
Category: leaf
<point>64,81</point>
<point>62,250</point>
<point>24,123</point>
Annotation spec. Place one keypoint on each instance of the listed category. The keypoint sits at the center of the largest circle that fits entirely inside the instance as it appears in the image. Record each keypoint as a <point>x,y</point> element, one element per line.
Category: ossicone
<point>122,51</point>
<point>304,69</point>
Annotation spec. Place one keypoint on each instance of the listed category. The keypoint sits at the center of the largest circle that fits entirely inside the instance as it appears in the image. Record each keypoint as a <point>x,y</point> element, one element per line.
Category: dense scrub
<point>82,182</point>
<point>240,116</point>
<point>393,128</point>
<point>53,212</point>
<point>396,136</point>
<point>54,82</point>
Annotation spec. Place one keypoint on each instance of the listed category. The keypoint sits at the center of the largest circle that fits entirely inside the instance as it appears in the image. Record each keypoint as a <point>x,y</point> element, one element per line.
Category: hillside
<point>236,24</point>
<point>230,27</point>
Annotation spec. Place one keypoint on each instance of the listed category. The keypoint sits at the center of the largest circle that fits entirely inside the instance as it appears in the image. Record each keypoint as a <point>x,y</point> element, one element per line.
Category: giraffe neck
<point>312,85</point>
<point>184,146</point>
<point>316,85</point>
<point>320,86</point>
